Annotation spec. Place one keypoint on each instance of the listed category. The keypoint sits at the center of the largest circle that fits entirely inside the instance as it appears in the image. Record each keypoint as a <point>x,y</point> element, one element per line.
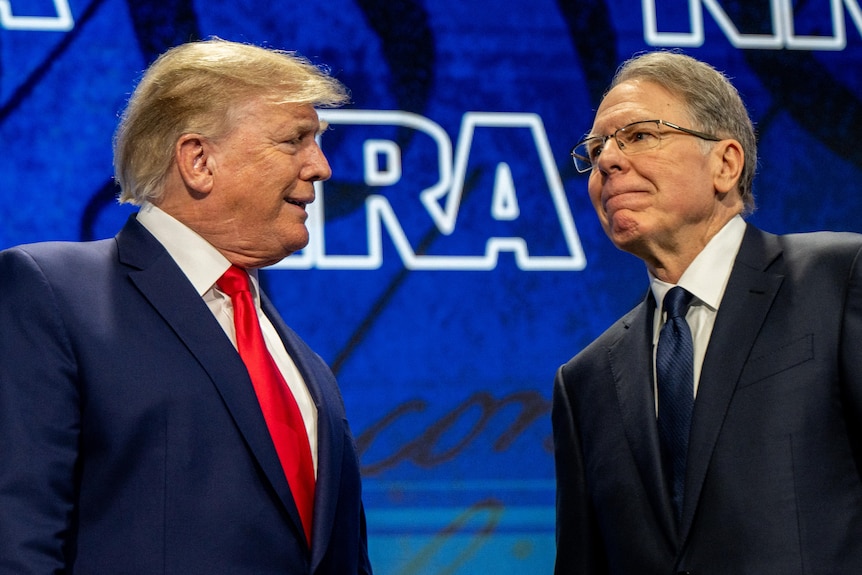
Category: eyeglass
<point>631,139</point>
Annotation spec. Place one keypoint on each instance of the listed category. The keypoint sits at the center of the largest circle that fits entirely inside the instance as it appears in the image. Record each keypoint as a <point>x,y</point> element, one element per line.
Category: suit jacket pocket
<point>777,360</point>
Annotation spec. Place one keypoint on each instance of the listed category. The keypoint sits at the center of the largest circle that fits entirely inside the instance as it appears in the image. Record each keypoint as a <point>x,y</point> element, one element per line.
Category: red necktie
<point>279,407</point>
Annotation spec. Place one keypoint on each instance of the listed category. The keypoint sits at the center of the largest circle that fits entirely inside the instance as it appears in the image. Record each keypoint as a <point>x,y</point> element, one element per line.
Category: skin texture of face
<point>246,193</point>
<point>665,204</point>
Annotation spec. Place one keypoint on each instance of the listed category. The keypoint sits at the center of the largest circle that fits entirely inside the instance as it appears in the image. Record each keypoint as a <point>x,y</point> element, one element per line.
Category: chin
<point>292,237</point>
<point>626,239</point>
<point>294,244</point>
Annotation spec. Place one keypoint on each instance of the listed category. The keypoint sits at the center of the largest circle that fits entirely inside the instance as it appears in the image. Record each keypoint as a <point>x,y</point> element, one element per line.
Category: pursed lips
<point>618,198</point>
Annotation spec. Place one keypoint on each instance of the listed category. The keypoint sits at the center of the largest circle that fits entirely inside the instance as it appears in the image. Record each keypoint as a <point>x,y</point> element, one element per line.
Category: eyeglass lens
<point>631,139</point>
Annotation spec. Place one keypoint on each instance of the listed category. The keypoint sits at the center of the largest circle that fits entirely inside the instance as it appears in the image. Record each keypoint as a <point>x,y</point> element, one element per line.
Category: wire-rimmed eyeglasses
<point>631,139</point>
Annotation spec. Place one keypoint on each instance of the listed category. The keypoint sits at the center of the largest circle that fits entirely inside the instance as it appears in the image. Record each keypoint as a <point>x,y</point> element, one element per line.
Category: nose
<point>316,168</point>
<point>611,156</point>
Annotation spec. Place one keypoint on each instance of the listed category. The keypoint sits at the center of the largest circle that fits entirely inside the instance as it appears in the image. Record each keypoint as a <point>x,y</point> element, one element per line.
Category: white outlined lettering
<point>783,31</point>
<point>443,198</point>
<point>62,22</point>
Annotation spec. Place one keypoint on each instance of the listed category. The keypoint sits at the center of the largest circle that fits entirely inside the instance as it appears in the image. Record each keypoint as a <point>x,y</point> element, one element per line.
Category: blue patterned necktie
<point>675,374</point>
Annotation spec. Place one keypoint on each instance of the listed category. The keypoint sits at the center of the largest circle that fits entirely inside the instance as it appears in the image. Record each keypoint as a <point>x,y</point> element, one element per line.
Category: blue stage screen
<point>455,259</point>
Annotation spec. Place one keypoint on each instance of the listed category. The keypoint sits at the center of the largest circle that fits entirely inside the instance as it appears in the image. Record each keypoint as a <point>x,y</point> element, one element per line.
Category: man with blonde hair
<point>156,413</point>
<point>715,428</point>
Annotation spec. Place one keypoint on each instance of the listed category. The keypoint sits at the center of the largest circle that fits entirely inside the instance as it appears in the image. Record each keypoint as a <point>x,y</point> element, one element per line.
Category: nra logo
<point>405,190</point>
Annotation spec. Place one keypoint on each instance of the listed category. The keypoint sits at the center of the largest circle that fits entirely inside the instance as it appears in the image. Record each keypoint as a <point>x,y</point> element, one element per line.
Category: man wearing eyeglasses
<point>715,428</point>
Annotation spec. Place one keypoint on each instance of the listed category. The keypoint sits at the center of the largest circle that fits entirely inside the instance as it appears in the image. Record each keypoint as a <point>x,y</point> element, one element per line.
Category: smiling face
<point>660,204</point>
<point>263,175</point>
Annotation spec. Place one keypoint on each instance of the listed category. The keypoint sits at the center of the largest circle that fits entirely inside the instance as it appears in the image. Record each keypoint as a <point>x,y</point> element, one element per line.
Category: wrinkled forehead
<point>636,100</point>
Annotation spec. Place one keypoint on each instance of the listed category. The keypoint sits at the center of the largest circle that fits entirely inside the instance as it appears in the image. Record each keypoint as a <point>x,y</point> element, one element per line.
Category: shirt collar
<point>706,277</point>
<point>198,259</point>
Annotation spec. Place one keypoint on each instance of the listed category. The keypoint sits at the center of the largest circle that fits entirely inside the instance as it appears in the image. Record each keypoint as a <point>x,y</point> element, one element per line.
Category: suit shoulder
<point>51,257</point>
<point>822,243</point>
<point>821,253</point>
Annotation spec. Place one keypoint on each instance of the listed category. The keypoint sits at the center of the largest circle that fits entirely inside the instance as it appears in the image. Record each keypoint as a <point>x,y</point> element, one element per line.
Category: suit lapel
<point>749,295</point>
<point>330,436</point>
<point>163,284</point>
<point>634,389</point>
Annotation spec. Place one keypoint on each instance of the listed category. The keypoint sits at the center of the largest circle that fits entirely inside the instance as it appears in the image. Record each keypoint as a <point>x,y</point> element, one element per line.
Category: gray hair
<point>196,88</point>
<point>711,100</point>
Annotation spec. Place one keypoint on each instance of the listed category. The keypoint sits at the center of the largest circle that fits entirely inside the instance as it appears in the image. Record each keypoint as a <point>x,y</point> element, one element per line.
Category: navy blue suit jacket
<point>131,440</point>
<point>773,482</point>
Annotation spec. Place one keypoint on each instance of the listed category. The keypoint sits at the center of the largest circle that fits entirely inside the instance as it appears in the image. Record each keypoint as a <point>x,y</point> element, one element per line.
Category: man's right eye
<point>594,151</point>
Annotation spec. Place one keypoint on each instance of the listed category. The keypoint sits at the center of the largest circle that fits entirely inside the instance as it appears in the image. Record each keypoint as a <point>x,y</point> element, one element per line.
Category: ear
<point>729,159</point>
<point>194,162</point>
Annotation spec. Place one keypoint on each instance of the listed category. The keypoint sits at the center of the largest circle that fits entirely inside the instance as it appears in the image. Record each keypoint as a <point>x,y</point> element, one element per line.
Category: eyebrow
<point>294,128</point>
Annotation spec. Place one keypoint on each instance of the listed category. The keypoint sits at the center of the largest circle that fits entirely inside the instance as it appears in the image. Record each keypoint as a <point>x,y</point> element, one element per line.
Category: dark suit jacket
<point>131,440</point>
<point>773,480</point>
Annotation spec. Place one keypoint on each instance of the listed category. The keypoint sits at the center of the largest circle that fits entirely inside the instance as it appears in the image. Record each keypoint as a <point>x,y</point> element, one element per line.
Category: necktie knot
<point>233,281</point>
<point>676,302</point>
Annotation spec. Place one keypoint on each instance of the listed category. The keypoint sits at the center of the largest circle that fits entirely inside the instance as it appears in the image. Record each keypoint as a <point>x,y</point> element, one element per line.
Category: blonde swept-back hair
<point>711,100</point>
<point>195,88</point>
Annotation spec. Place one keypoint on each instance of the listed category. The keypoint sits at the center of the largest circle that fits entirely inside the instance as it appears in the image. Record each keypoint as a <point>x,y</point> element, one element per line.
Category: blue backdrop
<point>455,261</point>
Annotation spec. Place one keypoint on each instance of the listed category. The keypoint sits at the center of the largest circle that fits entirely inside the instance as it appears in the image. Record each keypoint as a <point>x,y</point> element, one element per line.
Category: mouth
<point>621,200</point>
<point>298,203</point>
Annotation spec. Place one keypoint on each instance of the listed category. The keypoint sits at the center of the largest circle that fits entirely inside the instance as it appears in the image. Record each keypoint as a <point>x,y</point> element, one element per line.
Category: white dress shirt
<point>204,265</point>
<point>706,279</point>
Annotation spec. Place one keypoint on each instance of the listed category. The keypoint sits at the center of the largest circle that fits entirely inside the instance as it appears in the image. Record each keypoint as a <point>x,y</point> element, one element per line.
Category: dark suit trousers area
<point>773,483</point>
<point>131,440</point>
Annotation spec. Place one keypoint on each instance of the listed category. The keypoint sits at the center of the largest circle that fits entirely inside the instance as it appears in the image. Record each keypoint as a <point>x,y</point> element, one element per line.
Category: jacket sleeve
<point>850,355</point>
<point>39,421</point>
<point>579,547</point>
